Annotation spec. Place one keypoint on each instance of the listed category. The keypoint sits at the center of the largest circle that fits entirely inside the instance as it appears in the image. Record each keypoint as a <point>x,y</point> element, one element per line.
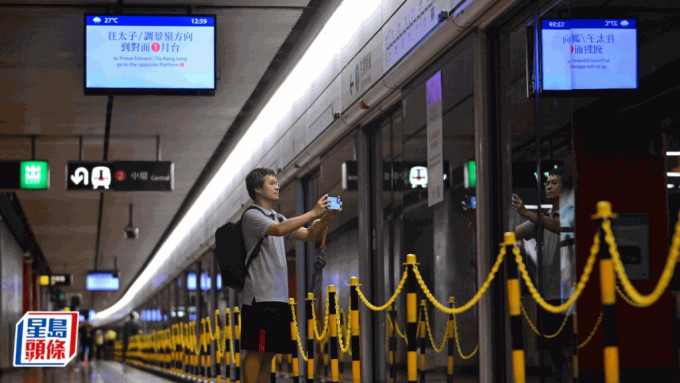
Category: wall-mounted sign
<point>24,175</point>
<point>406,28</point>
<point>396,175</point>
<point>120,175</point>
<point>56,280</point>
<point>435,138</point>
<point>631,231</point>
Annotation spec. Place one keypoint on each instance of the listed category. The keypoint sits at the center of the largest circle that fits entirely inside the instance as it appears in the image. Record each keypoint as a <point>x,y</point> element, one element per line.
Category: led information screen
<point>102,280</point>
<point>24,175</point>
<point>120,175</point>
<point>149,54</point>
<point>589,54</point>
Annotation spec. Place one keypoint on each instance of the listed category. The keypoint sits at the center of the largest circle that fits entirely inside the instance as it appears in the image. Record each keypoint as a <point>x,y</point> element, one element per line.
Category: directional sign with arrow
<point>120,175</point>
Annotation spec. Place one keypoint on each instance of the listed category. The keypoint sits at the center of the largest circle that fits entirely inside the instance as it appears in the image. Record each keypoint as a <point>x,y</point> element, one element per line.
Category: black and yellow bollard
<point>411,324</point>
<point>422,337</point>
<point>227,345</point>
<point>515,311</point>
<point>341,338</point>
<point>309,308</point>
<point>392,339</point>
<point>203,373</point>
<point>186,352</point>
<point>237,345</point>
<point>354,323</point>
<point>574,340</point>
<point>608,291</point>
<point>451,347</point>
<point>333,325</point>
<point>294,366</point>
<point>272,373</point>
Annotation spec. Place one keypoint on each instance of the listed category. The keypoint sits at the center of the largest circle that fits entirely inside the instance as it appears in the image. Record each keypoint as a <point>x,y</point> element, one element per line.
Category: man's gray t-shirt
<point>267,279</point>
<point>550,280</point>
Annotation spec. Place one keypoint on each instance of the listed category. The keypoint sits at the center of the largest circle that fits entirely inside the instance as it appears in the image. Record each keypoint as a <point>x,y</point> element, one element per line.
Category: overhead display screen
<point>150,54</point>
<point>98,281</point>
<point>589,54</point>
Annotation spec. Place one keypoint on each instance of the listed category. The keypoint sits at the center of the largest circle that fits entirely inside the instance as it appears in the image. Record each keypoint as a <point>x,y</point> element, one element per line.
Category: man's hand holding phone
<point>335,203</point>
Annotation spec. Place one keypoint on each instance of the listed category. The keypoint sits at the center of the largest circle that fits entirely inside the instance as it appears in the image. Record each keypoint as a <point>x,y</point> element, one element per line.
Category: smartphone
<point>335,203</point>
<point>471,203</point>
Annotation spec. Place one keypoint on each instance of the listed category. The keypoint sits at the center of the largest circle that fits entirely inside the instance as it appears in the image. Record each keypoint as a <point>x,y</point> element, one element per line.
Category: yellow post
<point>518,363</point>
<point>237,345</point>
<point>575,346</point>
<point>310,337</point>
<point>607,289</point>
<point>411,324</point>
<point>391,335</point>
<point>422,338</point>
<point>294,365</point>
<point>272,374</point>
<point>334,333</point>
<point>227,345</point>
<point>450,350</point>
<point>354,323</point>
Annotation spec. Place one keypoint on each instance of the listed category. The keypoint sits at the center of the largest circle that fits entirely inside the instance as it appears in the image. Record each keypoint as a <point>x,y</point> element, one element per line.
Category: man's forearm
<point>291,224</point>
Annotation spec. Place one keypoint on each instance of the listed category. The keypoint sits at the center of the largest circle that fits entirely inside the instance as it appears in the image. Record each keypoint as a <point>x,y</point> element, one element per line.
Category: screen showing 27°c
<point>589,54</point>
<point>149,54</point>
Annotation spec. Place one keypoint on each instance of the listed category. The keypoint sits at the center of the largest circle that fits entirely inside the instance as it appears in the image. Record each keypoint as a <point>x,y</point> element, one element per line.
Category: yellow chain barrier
<point>321,337</point>
<point>592,332</point>
<point>390,301</point>
<point>396,327</point>
<point>579,286</point>
<point>474,300</point>
<point>429,332</point>
<point>337,324</point>
<point>666,275</point>
<point>455,334</point>
<point>625,298</point>
<point>303,353</point>
<point>348,328</point>
<point>535,329</point>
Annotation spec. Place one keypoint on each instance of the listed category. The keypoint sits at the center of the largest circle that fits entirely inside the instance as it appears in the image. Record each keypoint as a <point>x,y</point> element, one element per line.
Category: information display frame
<point>161,48</point>
<point>616,71</point>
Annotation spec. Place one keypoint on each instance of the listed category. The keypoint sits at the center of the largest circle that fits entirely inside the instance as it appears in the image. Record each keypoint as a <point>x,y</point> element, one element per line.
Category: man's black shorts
<point>265,327</point>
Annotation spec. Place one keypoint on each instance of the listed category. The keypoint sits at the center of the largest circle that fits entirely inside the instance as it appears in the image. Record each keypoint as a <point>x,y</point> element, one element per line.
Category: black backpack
<point>231,253</point>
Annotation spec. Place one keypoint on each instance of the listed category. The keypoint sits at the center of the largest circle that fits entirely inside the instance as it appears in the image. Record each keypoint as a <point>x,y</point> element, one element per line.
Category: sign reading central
<point>120,175</point>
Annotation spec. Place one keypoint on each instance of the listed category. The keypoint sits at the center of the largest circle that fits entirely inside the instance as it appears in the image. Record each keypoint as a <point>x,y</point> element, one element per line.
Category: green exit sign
<point>34,175</point>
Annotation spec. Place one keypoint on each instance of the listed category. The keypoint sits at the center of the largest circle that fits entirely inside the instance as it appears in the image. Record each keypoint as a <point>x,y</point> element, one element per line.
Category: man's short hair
<point>565,173</point>
<point>255,180</point>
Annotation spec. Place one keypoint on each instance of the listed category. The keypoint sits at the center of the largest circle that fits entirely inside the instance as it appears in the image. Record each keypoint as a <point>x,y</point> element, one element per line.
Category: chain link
<point>535,329</point>
<point>390,301</point>
<point>396,327</point>
<point>666,275</point>
<point>625,297</point>
<point>346,332</point>
<point>303,353</point>
<point>321,337</point>
<point>579,287</point>
<point>455,334</point>
<point>338,329</point>
<point>592,332</point>
<point>474,300</point>
<point>429,332</point>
